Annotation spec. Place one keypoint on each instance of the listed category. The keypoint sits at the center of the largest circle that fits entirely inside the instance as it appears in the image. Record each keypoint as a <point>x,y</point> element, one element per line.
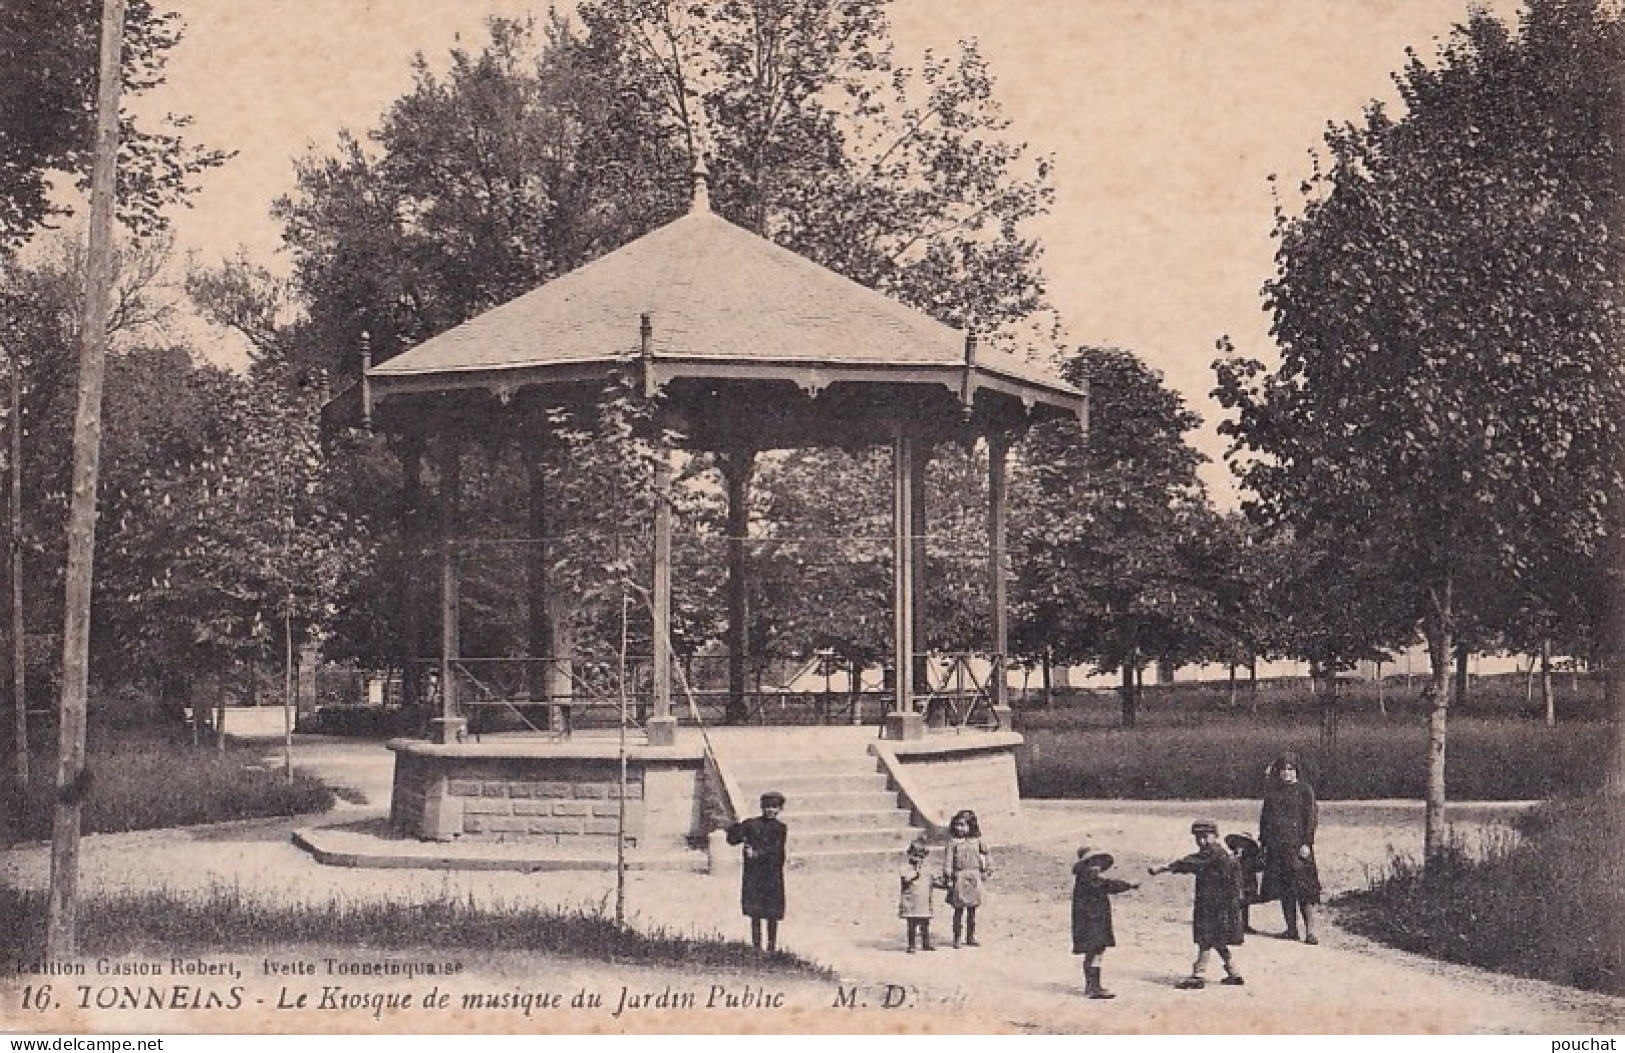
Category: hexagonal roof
<point>719,300</point>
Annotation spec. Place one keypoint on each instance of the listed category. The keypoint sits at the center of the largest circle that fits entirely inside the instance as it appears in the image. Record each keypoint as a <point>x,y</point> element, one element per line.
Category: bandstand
<point>744,347</point>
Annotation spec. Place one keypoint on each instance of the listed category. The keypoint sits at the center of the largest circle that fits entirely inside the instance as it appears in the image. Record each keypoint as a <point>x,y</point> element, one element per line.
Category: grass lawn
<point>229,921</point>
<point>1202,753</point>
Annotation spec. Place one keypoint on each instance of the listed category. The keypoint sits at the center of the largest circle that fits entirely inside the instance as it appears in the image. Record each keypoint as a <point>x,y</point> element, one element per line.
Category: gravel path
<point>1022,978</point>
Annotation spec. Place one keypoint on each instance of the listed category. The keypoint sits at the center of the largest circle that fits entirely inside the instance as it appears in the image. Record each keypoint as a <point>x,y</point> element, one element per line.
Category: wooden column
<point>410,581</point>
<point>662,726</point>
<point>917,528</point>
<point>998,493</point>
<point>903,722</point>
<point>449,725</point>
<point>738,465</point>
<point>546,675</point>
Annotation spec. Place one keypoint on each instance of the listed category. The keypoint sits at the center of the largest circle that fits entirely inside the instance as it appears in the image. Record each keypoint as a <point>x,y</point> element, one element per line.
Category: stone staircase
<point>839,807</point>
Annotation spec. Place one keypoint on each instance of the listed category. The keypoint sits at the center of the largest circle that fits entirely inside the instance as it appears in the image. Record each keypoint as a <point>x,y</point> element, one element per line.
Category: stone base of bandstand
<point>531,804</point>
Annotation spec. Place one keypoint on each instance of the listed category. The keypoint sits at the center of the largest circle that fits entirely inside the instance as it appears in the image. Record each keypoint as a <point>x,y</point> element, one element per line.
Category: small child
<point>914,903</point>
<point>1251,859</point>
<point>1216,914</point>
<point>964,865</point>
<point>1092,915</point>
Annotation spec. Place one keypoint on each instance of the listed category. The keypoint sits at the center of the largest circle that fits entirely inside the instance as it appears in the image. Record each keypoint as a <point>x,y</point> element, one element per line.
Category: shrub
<point>1549,905</point>
<point>146,779</point>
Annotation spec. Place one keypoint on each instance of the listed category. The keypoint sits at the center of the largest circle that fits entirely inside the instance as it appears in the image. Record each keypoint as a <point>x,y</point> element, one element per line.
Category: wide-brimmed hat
<point>1101,861</point>
<point>772,799</point>
<point>1204,826</point>
<point>1243,846</point>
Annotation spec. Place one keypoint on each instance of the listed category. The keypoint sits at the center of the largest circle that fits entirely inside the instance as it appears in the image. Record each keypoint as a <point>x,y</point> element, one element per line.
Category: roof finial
<point>701,201</point>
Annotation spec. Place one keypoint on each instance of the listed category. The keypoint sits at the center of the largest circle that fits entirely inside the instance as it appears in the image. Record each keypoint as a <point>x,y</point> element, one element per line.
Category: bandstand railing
<point>558,697</point>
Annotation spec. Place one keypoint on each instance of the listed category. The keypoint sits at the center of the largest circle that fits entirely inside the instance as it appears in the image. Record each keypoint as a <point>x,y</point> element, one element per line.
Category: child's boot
<point>1194,981</point>
<point>957,924</point>
<point>911,937</point>
<point>1232,976</point>
<point>925,937</point>
<point>1094,988</point>
<point>1309,924</point>
<point>970,932</point>
<point>1289,911</point>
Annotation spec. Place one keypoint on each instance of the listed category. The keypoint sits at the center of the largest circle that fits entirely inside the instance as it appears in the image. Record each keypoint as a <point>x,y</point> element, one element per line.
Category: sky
<point>1165,119</point>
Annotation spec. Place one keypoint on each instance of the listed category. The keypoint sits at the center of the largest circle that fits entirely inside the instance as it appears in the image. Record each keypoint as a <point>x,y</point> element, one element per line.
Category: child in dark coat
<point>1251,859</point>
<point>1092,915</point>
<point>761,889</point>
<point>1216,914</point>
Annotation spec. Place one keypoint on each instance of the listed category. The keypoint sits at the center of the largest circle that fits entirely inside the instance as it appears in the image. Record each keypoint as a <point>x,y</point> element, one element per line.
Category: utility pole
<point>72,780</point>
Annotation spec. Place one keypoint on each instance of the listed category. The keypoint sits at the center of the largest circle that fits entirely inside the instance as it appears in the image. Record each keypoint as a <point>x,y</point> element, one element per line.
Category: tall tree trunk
<point>1252,682</point>
<point>1439,626</point>
<point>220,722</point>
<point>1547,697</point>
<point>1382,698</point>
<point>1045,661</point>
<point>1613,638</point>
<point>1463,653</point>
<point>14,549</point>
<point>287,690</point>
<point>72,780</point>
<point>1232,685</point>
<point>1130,694</point>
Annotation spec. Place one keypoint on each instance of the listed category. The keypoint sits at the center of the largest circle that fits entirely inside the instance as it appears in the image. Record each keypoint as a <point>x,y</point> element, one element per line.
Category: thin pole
<point>662,587</point>
<point>61,938</point>
<point>620,811</point>
<point>287,689</point>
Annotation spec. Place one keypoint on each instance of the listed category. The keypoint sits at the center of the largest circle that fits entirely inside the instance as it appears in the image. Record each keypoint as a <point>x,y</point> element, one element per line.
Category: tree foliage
<point>1113,529</point>
<point>48,63</point>
<point>1447,308</point>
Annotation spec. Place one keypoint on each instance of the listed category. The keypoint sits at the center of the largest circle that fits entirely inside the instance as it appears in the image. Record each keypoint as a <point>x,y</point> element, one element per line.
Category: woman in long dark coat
<point>761,886</point>
<point>1286,831</point>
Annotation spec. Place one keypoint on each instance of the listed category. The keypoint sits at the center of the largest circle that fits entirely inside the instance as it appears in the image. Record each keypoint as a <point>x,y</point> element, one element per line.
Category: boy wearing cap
<point>1216,914</point>
<point>761,890</point>
<point>1092,915</point>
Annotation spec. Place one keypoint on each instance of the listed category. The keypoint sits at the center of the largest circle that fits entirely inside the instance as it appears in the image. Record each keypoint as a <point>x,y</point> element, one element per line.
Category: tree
<point>1447,310</point>
<point>40,325</point>
<point>231,546</point>
<point>1110,528</point>
<point>48,108</point>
